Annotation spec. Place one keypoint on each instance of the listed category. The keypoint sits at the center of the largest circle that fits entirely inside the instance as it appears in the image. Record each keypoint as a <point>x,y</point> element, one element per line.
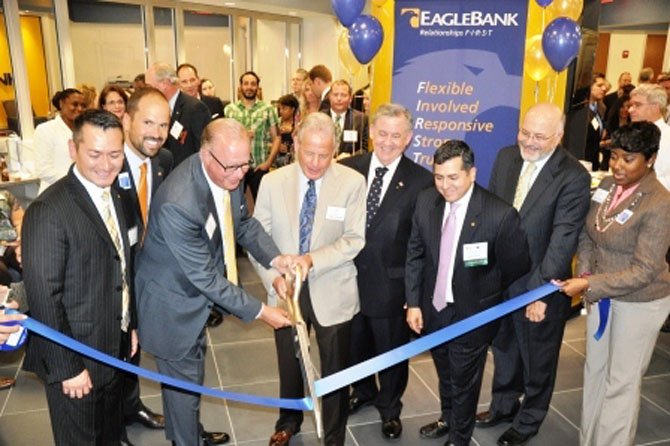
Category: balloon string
<point>537,90</point>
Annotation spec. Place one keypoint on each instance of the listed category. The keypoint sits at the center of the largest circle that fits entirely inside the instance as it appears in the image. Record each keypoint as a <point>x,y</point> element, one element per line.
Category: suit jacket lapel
<point>393,193</point>
<point>512,178</point>
<point>209,208</point>
<point>157,175</point>
<point>291,205</point>
<point>85,203</point>
<point>543,180</point>
<point>327,194</point>
<point>435,228</point>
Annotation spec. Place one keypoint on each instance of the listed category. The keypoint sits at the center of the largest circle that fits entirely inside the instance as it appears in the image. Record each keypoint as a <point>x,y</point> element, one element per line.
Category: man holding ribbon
<point>466,247</point>
<point>550,189</point>
<point>187,266</point>
<point>76,258</point>
<point>315,207</point>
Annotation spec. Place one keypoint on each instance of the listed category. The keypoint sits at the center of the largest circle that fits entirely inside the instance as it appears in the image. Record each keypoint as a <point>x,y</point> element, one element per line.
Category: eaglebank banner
<point>457,68</point>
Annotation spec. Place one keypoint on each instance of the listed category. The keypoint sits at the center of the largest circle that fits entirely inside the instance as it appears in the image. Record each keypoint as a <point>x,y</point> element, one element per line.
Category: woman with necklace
<point>621,260</point>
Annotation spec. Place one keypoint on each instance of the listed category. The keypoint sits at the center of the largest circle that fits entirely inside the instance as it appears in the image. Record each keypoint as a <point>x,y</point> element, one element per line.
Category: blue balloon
<point>365,37</point>
<point>348,10</point>
<point>560,41</point>
<point>544,3</point>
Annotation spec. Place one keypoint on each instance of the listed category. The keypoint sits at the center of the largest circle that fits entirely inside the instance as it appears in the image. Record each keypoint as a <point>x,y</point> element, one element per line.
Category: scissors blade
<point>309,371</point>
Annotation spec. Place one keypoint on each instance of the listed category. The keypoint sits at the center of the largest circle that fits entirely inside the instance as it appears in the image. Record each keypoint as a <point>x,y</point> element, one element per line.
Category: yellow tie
<point>229,240</point>
<point>114,234</point>
<point>523,186</point>
<point>142,193</point>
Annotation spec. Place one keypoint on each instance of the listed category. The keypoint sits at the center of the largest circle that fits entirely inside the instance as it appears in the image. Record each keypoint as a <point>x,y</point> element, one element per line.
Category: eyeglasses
<point>243,167</point>
<point>538,137</point>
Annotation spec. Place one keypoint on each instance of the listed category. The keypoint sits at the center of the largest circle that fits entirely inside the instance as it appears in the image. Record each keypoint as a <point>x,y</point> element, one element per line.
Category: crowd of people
<point>133,246</point>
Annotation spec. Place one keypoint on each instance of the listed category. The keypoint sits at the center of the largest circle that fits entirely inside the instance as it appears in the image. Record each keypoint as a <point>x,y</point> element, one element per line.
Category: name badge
<point>176,129</point>
<point>210,226</point>
<point>476,254</point>
<point>350,136</point>
<point>599,195</point>
<point>335,213</point>
<point>124,180</point>
<point>595,124</point>
<point>132,236</point>
<point>624,216</point>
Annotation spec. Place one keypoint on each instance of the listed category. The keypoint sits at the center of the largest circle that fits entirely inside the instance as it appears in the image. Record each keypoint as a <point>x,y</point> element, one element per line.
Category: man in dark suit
<point>351,126</point>
<point>321,78</point>
<point>189,82</point>
<point>145,130</point>
<point>465,249</point>
<point>393,185</point>
<point>551,191</point>
<point>187,266</point>
<point>624,79</point>
<point>189,115</point>
<point>76,257</point>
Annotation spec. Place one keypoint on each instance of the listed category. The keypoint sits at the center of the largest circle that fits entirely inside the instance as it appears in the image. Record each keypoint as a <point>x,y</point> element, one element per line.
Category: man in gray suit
<point>550,189</point>
<point>331,197</point>
<point>182,272</point>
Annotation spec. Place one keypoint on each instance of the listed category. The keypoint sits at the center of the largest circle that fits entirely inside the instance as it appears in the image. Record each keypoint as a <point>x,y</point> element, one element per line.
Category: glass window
<point>271,57</point>
<point>164,33</point>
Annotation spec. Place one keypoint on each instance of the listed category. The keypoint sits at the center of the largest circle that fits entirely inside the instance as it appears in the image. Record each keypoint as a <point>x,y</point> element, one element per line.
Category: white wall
<point>103,52</point>
<point>270,61</point>
<point>207,48</point>
<point>634,43</point>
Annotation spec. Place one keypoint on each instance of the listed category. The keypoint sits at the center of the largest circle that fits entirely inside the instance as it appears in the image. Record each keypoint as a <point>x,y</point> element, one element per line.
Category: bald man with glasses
<point>187,267</point>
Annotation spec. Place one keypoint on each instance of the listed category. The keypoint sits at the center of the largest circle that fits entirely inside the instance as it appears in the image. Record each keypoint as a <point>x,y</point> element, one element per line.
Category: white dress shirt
<point>134,161</point>
<point>539,164</point>
<point>52,155</point>
<point>386,179</point>
<point>662,164</point>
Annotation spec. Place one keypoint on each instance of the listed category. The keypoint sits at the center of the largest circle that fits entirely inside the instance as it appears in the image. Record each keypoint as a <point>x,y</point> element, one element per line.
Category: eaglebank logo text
<point>419,18</point>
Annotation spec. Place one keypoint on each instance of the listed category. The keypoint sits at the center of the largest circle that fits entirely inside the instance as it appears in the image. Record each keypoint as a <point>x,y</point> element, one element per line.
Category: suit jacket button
<point>117,258</point>
<point>119,288</point>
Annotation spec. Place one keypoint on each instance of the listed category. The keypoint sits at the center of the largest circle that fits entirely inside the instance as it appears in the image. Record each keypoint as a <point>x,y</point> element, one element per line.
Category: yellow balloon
<point>347,58</point>
<point>565,8</point>
<point>536,65</point>
<point>378,2</point>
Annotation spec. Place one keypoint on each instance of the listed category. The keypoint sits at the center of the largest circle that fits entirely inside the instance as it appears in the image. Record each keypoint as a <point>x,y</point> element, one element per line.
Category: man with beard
<point>261,121</point>
<point>145,128</point>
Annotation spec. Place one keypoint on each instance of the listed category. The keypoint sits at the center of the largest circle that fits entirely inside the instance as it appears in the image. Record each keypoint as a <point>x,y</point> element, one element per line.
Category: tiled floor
<point>242,358</point>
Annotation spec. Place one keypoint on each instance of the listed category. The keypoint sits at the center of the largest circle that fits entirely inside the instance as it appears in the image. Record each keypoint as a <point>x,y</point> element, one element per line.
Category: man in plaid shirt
<point>261,121</point>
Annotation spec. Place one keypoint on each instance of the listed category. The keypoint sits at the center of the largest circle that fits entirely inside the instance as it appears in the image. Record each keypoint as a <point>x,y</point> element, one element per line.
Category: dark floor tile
<point>653,423</point>
<point>575,328</point>
<point>570,371</point>
<point>660,363</point>
<point>234,330</point>
<point>248,362</point>
<point>657,390</point>
<point>26,429</point>
<point>569,404</point>
<point>26,395</point>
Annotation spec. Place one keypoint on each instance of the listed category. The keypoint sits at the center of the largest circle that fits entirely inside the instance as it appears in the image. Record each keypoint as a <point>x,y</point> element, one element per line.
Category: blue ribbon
<point>324,385</point>
<point>446,334</point>
<point>66,341</point>
<point>604,313</point>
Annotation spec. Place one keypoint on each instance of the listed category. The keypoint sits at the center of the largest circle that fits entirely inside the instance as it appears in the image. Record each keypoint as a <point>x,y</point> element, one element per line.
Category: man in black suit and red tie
<point>146,164</point>
<point>465,249</point>
<point>76,257</point>
<point>393,185</point>
<point>550,188</point>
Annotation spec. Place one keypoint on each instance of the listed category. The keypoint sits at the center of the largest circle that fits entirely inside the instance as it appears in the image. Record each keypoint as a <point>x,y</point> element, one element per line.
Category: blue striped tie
<point>307,217</point>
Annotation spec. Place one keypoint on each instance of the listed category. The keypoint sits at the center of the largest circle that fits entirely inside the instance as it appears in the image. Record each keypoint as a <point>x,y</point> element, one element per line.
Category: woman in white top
<point>52,158</point>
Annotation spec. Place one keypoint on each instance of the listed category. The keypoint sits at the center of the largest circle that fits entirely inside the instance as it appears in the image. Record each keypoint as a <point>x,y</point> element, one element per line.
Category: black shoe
<point>211,438</point>
<point>512,437</point>
<point>356,403</point>
<point>490,419</point>
<point>666,326</point>
<point>436,429</point>
<point>391,428</point>
<point>147,418</point>
<point>126,442</point>
<point>215,318</point>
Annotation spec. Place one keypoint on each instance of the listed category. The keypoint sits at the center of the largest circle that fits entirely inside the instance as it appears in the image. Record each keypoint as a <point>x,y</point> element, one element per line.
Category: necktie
<point>142,193</point>
<point>229,240</point>
<point>523,186</point>
<point>338,128</point>
<point>447,241</point>
<point>114,235</point>
<point>307,217</point>
<point>374,195</point>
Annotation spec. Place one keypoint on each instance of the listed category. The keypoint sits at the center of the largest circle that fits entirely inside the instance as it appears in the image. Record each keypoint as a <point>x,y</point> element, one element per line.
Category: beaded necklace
<point>603,222</point>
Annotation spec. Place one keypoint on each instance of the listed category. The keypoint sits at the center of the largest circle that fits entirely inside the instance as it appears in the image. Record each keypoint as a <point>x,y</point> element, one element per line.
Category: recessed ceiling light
<point>292,13</point>
<point>229,3</point>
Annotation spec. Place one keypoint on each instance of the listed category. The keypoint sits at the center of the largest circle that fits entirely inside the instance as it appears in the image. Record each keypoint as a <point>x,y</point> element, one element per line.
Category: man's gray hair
<point>654,93</point>
<point>317,122</point>
<point>392,110</point>
<point>164,71</point>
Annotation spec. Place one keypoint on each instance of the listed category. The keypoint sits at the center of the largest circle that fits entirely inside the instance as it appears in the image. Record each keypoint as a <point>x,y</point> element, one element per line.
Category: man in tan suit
<point>316,208</point>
